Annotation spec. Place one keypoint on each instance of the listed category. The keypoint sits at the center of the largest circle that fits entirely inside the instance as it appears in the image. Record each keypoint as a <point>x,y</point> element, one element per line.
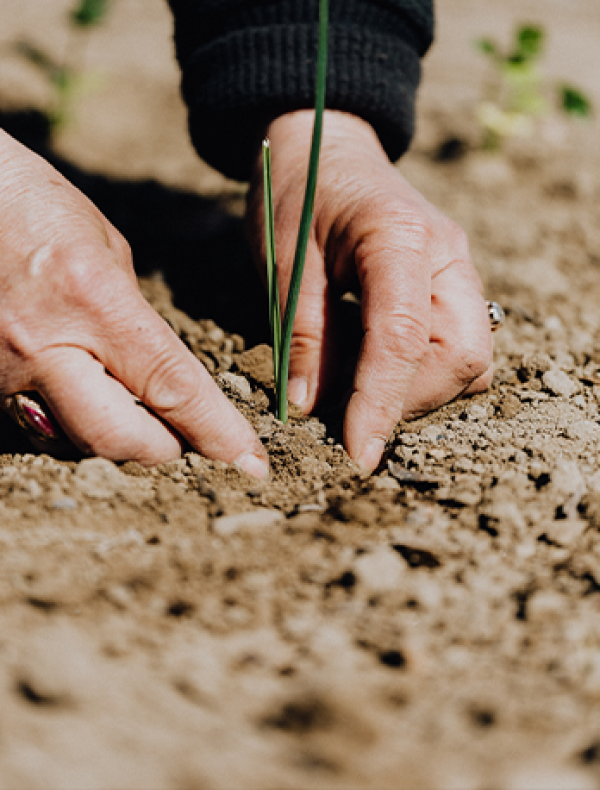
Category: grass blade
<point>307,214</point>
<point>274,309</point>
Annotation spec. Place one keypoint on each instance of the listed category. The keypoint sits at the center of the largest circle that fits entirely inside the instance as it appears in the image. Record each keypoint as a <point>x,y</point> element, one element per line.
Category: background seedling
<point>282,334</point>
<point>517,93</point>
<point>66,76</point>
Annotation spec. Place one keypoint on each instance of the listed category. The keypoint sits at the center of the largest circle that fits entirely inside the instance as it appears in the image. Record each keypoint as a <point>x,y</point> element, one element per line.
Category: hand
<point>74,327</point>
<point>427,335</point>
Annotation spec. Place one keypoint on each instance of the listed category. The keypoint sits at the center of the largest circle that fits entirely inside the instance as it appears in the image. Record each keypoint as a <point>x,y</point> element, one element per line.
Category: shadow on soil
<point>198,247</point>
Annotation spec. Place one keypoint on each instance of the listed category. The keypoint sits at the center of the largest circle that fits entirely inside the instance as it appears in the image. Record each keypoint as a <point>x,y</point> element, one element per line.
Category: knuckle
<point>406,338</point>
<point>422,228</point>
<point>171,383</point>
<point>17,339</point>
<point>303,347</point>
<point>419,229</point>
<point>120,247</point>
<point>83,277</point>
<point>407,228</point>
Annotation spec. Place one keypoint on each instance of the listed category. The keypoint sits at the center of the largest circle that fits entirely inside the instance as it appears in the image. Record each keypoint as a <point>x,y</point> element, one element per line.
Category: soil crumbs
<point>434,626</point>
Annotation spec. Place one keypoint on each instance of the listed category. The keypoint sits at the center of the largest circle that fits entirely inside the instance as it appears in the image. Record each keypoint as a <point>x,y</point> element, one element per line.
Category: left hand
<point>427,335</point>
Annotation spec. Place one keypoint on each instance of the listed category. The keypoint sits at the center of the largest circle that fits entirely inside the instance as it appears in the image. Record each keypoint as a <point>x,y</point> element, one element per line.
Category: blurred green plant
<point>89,12</point>
<point>517,93</point>
<point>67,77</point>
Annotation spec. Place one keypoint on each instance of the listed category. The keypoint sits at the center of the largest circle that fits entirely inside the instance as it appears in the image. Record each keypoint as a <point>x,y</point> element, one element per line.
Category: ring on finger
<point>31,414</point>
<point>496,314</point>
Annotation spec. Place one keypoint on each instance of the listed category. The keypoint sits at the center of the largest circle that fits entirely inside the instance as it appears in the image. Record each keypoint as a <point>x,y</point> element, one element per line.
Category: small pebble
<point>583,430</point>
<point>465,492</point>
<point>99,478</point>
<point>381,570</point>
<point>547,776</point>
<point>58,666</point>
<point>430,433</point>
<point>508,515</point>
<point>559,383</point>
<point>535,364</point>
<point>64,503</point>
<point>545,604</point>
<point>564,360</point>
<point>553,324</point>
<point>565,532</point>
<point>385,484</point>
<point>360,510</point>
<point>567,479</point>
<point>262,518</point>
<point>32,488</point>
<point>478,413</point>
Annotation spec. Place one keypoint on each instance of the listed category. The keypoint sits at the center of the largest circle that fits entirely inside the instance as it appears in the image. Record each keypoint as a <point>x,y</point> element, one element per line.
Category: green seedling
<point>272,285</point>
<point>89,12</point>
<point>517,93</point>
<point>281,334</point>
<point>66,76</point>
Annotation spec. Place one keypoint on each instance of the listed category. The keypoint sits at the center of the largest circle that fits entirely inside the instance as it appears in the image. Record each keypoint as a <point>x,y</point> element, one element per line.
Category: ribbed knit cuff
<point>236,84</point>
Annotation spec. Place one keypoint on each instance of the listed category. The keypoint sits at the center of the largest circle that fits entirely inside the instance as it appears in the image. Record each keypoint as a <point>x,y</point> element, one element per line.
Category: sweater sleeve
<point>244,62</point>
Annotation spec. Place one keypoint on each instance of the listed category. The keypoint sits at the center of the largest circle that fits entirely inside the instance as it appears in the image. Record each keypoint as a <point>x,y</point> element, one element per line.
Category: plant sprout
<point>517,95</point>
<point>65,76</point>
<point>89,12</point>
<point>281,334</point>
<point>273,288</point>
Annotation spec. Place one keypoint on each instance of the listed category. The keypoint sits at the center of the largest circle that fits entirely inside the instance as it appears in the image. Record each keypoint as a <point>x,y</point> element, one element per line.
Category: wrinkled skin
<point>75,328</point>
<point>71,314</point>
<point>427,335</point>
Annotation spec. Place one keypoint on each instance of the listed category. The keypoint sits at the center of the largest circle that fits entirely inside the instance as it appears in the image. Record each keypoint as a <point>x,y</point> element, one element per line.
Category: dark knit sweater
<point>244,62</point>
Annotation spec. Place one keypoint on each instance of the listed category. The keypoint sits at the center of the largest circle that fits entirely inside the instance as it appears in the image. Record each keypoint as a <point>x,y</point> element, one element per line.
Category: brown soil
<point>434,626</point>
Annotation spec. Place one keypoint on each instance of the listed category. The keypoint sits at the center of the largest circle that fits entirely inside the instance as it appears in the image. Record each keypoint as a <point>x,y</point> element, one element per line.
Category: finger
<point>396,319</point>
<point>142,352</point>
<point>98,414</point>
<point>312,334</point>
<point>459,357</point>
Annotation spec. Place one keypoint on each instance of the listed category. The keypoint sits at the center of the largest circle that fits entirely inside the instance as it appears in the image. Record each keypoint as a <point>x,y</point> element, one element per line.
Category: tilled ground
<point>434,626</point>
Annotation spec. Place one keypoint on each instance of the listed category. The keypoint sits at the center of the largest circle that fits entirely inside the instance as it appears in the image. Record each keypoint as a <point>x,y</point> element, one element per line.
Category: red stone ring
<point>30,412</point>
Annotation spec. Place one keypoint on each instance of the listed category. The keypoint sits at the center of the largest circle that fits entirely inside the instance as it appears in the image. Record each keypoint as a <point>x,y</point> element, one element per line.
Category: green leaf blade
<point>89,12</point>
<point>307,212</point>
<point>530,40</point>
<point>574,102</point>
<point>273,287</point>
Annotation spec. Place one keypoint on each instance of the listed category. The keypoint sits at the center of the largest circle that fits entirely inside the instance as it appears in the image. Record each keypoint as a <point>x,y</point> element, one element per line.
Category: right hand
<point>75,328</point>
<point>426,330</point>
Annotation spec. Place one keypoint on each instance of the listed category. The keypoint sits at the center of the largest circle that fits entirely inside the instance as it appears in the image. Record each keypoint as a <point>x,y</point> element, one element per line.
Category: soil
<point>436,625</point>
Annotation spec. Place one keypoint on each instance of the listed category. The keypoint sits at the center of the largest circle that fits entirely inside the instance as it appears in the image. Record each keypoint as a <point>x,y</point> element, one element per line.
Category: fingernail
<point>371,454</point>
<point>254,465</point>
<point>298,390</point>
